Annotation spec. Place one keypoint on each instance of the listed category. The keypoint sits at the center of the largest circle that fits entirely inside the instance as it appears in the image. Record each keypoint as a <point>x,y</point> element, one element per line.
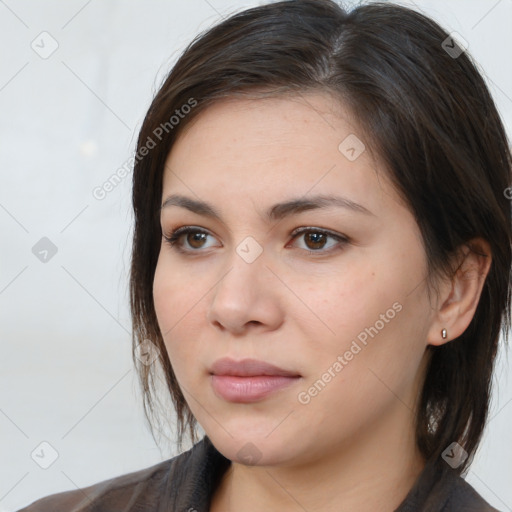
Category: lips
<point>248,368</point>
<point>249,380</point>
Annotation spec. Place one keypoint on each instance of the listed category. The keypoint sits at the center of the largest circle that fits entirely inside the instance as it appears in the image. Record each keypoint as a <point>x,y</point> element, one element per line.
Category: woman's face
<point>349,316</point>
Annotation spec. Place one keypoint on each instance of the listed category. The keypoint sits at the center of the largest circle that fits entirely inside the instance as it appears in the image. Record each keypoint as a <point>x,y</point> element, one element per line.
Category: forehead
<point>300,120</point>
<point>274,147</point>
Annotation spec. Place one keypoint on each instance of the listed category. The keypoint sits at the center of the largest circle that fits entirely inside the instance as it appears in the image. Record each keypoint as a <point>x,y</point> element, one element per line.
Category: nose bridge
<point>241,296</point>
<point>246,264</point>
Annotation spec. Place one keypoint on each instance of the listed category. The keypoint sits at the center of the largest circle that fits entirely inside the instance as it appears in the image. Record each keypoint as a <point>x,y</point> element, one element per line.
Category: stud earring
<point>444,334</point>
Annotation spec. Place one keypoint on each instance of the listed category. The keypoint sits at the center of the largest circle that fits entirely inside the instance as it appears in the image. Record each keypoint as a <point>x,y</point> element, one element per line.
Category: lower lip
<point>249,389</point>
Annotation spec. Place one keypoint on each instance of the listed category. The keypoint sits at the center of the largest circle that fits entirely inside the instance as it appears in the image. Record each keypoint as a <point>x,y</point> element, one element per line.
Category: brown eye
<point>188,239</point>
<point>315,240</point>
<point>196,239</point>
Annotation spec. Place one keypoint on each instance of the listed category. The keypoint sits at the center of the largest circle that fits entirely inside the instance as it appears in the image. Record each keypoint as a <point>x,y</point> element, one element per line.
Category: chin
<point>252,450</point>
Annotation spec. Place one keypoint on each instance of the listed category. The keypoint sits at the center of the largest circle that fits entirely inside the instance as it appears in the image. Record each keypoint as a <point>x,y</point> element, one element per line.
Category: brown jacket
<point>186,483</point>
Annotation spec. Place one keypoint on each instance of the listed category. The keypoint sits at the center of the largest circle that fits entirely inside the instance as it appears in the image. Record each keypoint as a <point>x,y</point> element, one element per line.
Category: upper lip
<point>248,368</point>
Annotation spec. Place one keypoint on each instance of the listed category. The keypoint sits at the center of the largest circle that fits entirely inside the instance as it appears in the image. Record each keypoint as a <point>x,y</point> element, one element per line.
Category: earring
<point>444,334</point>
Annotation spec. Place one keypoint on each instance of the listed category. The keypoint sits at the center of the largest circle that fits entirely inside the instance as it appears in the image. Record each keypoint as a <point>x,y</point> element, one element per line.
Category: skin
<point>352,446</point>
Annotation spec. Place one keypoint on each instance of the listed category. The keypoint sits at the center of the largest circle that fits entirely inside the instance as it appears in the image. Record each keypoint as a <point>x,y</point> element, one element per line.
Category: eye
<point>316,239</point>
<point>195,241</point>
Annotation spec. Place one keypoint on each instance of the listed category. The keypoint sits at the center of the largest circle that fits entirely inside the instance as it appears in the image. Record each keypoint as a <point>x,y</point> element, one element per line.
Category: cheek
<point>164,296</point>
<point>177,306</point>
<point>373,320</point>
<point>340,304</point>
<point>352,383</point>
<point>173,293</point>
<point>385,355</point>
<point>168,298</point>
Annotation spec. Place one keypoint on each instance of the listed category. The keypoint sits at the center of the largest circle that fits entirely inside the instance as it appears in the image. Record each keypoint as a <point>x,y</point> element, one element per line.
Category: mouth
<point>249,368</point>
<point>249,380</point>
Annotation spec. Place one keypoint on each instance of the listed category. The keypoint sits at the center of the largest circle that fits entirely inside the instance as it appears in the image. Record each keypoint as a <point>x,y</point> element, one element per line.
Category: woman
<point>321,258</point>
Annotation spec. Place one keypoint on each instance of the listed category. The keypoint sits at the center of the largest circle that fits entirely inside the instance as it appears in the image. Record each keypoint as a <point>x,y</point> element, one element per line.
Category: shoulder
<point>440,488</point>
<point>114,494</point>
<point>174,484</point>
<point>464,498</point>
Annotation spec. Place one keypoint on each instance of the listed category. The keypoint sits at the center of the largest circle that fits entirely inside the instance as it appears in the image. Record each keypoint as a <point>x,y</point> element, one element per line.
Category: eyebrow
<point>276,212</point>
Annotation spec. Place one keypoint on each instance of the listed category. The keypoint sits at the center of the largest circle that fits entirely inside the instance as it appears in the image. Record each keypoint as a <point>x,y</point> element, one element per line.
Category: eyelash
<point>174,236</point>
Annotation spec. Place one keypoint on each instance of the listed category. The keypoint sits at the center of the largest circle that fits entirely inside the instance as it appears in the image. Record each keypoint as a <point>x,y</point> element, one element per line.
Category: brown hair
<point>425,112</point>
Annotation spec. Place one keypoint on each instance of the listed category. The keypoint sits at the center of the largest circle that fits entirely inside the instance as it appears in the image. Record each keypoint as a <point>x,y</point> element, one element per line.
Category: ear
<point>458,298</point>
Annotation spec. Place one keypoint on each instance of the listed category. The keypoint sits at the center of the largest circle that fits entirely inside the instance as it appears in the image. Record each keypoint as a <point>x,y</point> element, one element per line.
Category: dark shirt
<point>187,482</point>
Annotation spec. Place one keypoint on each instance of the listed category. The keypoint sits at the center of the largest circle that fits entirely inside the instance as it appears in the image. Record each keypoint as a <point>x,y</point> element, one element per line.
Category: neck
<point>371,472</point>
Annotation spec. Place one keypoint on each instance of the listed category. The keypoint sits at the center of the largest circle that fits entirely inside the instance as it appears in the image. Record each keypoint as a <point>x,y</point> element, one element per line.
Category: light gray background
<point>67,123</point>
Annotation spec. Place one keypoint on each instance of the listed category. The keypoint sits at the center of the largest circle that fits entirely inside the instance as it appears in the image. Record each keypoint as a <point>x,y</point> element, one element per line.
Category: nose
<point>247,294</point>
